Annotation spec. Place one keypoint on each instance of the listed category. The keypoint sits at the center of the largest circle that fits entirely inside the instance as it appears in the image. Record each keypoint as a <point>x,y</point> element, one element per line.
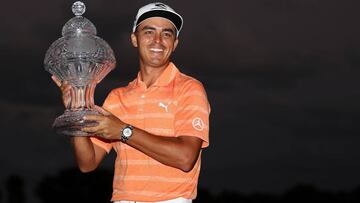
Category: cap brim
<point>174,18</point>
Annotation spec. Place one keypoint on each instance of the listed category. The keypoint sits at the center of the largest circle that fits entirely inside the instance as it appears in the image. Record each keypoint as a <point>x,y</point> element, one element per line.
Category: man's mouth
<point>156,50</point>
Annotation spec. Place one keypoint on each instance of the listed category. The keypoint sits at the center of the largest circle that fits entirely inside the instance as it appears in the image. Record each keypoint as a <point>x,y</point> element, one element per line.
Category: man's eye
<point>168,34</point>
<point>147,32</point>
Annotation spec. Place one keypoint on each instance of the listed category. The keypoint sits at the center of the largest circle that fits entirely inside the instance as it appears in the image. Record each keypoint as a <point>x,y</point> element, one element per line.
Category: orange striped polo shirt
<point>174,105</point>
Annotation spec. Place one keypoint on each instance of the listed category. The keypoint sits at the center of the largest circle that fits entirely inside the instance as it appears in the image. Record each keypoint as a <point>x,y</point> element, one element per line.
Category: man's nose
<point>157,37</point>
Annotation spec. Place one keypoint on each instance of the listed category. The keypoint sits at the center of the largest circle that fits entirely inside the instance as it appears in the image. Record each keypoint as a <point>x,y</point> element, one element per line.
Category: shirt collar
<point>165,78</point>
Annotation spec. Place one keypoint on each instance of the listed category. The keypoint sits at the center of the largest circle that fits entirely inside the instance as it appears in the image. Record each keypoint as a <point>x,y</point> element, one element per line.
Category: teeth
<point>156,50</point>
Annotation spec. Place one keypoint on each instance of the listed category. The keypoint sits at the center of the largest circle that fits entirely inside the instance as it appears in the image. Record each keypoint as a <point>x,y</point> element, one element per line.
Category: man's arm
<point>88,155</point>
<point>180,152</point>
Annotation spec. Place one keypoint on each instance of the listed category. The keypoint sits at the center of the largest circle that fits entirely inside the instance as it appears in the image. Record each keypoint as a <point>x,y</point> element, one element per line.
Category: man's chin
<point>158,63</point>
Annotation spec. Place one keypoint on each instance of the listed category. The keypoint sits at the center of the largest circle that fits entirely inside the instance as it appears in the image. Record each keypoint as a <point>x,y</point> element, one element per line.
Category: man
<point>158,124</point>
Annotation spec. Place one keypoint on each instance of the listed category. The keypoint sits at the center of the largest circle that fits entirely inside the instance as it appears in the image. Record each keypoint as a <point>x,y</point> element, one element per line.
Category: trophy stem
<point>82,97</point>
<point>81,104</point>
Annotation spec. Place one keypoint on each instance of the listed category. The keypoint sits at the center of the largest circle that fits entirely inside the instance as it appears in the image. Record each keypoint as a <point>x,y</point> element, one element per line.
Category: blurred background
<point>282,78</point>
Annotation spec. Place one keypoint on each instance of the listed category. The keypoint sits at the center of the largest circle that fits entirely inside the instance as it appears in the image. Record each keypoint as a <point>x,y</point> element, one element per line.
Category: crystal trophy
<point>82,59</point>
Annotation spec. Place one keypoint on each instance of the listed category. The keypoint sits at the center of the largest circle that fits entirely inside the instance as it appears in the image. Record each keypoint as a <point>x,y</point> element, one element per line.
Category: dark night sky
<point>282,78</point>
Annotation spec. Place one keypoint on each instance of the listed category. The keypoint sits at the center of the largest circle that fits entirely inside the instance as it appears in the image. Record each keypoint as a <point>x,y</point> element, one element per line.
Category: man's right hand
<point>65,89</point>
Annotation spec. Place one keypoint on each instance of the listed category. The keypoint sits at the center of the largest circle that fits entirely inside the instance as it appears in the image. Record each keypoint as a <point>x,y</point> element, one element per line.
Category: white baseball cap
<point>158,9</point>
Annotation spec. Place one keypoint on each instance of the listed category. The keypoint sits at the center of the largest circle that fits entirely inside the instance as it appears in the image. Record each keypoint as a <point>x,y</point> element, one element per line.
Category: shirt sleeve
<point>192,115</point>
<point>105,145</point>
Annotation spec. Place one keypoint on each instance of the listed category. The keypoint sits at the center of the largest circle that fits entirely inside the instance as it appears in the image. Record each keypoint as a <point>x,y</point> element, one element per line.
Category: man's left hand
<point>108,127</point>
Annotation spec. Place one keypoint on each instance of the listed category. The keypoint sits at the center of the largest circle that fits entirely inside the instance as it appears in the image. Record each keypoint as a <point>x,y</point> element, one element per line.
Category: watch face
<point>127,132</point>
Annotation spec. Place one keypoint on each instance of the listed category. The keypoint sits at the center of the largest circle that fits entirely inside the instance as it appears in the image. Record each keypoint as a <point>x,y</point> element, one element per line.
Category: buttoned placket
<point>142,102</point>
<point>142,98</point>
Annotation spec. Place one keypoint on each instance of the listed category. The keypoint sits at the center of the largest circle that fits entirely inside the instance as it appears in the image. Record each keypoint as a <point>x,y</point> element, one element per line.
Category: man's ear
<point>176,42</point>
<point>134,40</point>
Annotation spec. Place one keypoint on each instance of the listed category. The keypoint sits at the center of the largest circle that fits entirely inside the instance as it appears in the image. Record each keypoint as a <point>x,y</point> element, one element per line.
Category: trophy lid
<point>78,24</point>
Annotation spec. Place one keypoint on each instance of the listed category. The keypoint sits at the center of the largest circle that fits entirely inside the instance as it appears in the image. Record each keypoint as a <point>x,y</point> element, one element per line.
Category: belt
<point>177,200</point>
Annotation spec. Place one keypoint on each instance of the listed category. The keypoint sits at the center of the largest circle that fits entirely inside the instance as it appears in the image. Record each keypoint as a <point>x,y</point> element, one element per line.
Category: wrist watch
<point>126,133</point>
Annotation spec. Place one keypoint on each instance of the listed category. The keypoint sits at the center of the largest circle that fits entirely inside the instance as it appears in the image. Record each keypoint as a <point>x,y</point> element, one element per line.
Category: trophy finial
<point>78,8</point>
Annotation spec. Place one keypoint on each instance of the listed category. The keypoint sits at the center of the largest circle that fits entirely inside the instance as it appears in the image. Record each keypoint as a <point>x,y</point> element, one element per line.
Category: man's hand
<point>65,90</point>
<point>108,127</point>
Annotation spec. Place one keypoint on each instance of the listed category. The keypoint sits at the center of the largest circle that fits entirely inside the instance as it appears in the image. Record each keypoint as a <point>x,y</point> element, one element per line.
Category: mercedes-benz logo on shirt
<point>198,124</point>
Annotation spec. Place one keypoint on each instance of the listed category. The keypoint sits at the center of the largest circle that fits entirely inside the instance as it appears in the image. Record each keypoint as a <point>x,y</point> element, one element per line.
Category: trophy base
<point>71,122</point>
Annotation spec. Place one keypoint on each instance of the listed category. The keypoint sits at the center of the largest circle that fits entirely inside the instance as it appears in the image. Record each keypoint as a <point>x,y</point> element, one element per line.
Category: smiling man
<point>158,124</point>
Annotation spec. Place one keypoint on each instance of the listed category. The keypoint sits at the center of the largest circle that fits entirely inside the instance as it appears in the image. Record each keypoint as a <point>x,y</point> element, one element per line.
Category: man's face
<point>156,39</point>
